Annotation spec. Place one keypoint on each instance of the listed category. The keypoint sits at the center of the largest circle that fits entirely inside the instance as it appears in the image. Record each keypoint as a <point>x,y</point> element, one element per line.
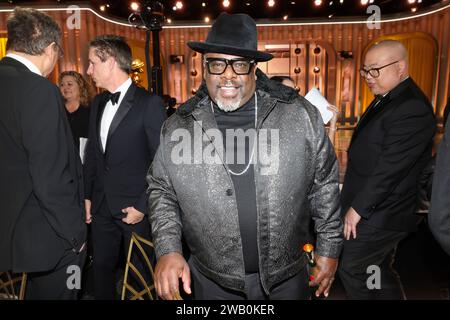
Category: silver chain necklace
<point>254,143</point>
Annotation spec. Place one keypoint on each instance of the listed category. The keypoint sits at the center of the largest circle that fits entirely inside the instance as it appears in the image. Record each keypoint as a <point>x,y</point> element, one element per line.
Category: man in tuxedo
<point>42,231</point>
<point>389,149</point>
<point>124,132</point>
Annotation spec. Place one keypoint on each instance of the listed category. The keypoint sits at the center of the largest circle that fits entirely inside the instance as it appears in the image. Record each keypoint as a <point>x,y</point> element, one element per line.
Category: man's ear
<point>48,50</point>
<point>111,62</point>
<point>402,66</point>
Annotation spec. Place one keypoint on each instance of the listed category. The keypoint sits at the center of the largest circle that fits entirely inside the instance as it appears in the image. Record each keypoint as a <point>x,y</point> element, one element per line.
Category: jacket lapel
<point>122,111</point>
<point>265,106</point>
<point>101,107</point>
<point>370,112</point>
<point>366,116</point>
<point>204,116</point>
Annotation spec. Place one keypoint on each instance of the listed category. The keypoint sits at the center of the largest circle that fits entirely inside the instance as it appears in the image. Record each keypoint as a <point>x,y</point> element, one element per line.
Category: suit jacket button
<point>229,192</point>
<point>107,168</point>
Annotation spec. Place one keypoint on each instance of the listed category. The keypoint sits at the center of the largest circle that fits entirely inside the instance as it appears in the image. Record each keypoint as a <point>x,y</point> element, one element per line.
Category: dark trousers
<point>372,247</point>
<point>294,288</point>
<point>61,283</point>
<point>109,234</point>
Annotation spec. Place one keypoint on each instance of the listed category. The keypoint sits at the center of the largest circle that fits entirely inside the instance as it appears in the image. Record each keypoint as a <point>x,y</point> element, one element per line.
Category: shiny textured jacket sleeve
<point>439,216</point>
<point>164,211</point>
<point>324,196</point>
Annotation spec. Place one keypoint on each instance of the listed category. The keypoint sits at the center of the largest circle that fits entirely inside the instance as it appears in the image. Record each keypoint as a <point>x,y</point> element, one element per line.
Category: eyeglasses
<point>374,72</point>
<point>60,50</point>
<point>217,66</point>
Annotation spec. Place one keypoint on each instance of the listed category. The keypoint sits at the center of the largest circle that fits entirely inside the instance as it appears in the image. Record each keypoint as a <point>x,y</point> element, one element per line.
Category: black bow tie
<point>114,97</point>
<point>379,97</point>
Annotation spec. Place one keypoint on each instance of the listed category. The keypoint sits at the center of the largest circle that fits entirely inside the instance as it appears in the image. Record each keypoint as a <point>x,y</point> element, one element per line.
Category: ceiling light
<point>226,3</point>
<point>169,20</point>
<point>179,4</point>
<point>271,3</point>
<point>285,17</point>
<point>317,2</point>
<point>413,9</point>
<point>203,4</point>
<point>206,19</point>
<point>411,1</point>
<point>364,2</point>
<point>134,6</point>
<point>102,8</point>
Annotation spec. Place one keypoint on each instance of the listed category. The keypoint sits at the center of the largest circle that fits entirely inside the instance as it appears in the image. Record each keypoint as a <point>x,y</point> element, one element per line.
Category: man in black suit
<point>42,231</point>
<point>124,134</point>
<point>389,149</point>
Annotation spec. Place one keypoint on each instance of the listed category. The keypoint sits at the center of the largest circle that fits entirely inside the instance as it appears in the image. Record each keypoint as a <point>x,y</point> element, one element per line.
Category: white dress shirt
<point>110,111</point>
<point>30,65</point>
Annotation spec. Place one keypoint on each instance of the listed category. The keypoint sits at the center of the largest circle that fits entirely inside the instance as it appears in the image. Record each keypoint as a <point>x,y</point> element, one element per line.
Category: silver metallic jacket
<point>197,201</point>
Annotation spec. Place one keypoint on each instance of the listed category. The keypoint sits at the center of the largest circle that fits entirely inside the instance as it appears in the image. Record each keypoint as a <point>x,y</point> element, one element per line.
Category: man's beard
<point>229,106</point>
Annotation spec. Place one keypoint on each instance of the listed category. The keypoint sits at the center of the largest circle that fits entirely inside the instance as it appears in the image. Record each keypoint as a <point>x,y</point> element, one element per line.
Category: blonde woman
<point>77,94</point>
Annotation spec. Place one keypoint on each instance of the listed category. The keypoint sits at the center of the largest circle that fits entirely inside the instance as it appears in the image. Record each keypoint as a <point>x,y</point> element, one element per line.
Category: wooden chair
<point>12,286</point>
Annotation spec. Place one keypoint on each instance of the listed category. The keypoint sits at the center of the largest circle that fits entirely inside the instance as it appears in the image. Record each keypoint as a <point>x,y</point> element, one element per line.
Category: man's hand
<point>326,268</point>
<point>351,220</point>
<point>133,216</point>
<point>169,269</point>
<point>87,208</point>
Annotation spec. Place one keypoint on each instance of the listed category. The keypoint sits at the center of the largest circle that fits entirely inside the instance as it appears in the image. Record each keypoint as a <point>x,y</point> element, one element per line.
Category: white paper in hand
<point>318,100</point>
<point>83,142</point>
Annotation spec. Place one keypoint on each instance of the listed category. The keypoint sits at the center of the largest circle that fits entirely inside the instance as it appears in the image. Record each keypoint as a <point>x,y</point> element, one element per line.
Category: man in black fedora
<point>242,169</point>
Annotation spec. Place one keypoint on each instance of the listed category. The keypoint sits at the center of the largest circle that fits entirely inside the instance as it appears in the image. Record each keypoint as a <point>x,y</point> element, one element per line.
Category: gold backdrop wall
<point>2,47</point>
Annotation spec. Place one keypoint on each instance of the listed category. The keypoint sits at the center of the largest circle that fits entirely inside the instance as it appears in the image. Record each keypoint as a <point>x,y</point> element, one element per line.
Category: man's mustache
<point>229,83</point>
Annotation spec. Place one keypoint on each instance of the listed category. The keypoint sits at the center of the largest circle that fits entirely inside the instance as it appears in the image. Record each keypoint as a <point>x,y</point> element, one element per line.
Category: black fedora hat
<point>234,34</point>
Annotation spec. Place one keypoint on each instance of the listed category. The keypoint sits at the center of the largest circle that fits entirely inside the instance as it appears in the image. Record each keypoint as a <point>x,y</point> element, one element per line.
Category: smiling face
<point>69,88</point>
<point>229,90</point>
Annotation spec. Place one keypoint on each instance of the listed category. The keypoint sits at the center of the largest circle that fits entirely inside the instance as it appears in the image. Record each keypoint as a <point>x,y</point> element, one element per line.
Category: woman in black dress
<point>77,95</point>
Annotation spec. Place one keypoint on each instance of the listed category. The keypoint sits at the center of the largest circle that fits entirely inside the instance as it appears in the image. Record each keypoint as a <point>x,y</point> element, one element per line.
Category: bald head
<point>390,57</point>
<point>392,49</point>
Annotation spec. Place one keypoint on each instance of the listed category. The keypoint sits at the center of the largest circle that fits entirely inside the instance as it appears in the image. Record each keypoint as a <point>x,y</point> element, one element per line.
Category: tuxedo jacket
<point>118,173</point>
<point>41,189</point>
<point>390,147</point>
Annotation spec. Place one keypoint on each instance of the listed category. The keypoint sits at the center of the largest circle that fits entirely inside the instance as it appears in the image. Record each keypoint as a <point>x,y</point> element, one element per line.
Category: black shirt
<point>79,124</point>
<point>244,185</point>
